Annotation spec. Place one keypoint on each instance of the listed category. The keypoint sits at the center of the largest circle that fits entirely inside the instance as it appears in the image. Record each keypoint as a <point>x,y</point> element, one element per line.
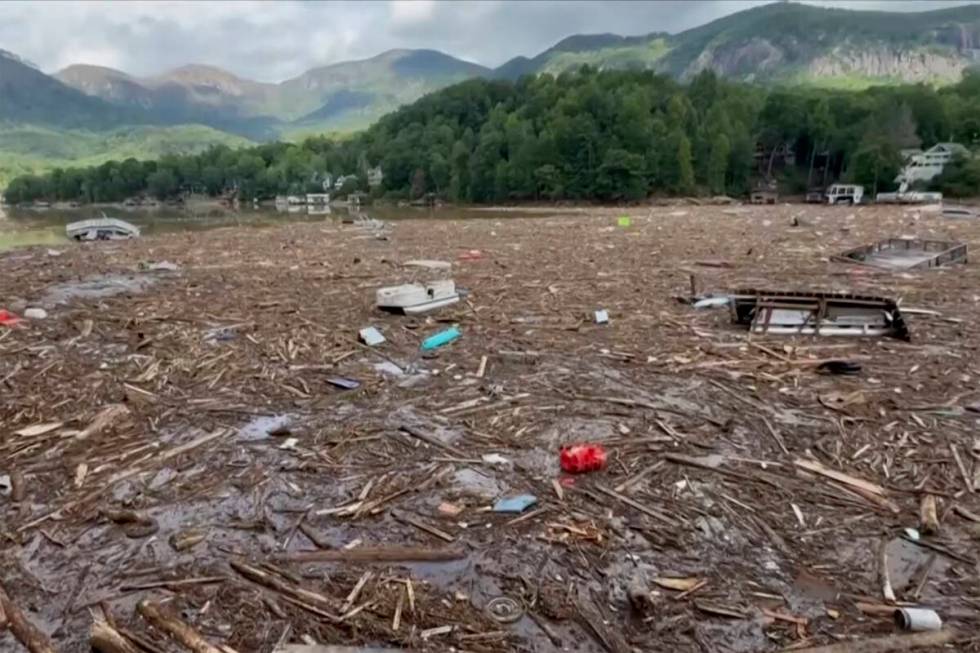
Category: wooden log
<point>873,492</point>
<point>659,516</point>
<point>886,644</point>
<point>377,554</point>
<point>928,515</point>
<point>25,632</point>
<point>162,619</point>
<point>106,639</point>
<point>432,440</point>
<point>317,603</point>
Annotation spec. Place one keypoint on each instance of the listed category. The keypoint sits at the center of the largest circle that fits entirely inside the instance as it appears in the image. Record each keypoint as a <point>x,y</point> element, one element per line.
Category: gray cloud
<point>271,41</point>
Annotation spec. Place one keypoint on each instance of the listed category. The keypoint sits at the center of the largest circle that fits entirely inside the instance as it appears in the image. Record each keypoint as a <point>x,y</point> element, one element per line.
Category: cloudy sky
<point>272,41</point>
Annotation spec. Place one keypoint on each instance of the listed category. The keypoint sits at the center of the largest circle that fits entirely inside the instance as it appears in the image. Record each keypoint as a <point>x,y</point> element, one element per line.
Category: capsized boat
<point>416,298</point>
<point>102,229</point>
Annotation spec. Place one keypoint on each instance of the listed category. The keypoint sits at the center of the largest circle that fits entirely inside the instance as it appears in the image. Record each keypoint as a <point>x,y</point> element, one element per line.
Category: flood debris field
<point>175,463</point>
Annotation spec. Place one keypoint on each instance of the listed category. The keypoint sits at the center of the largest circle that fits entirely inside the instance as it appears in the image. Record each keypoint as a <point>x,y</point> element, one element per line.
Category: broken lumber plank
<point>171,453</point>
<point>422,526</point>
<point>431,439</point>
<point>376,554</point>
<point>331,648</point>
<point>312,601</point>
<point>106,639</point>
<point>691,461</point>
<point>590,617</point>
<point>162,619</point>
<point>967,481</point>
<point>886,644</point>
<point>639,506</point>
<point>871,491</point>
<point>23,630</point>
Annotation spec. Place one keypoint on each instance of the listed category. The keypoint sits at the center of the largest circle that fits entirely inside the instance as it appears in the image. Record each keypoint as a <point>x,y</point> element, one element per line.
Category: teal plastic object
<point>520,503</point>
<point>440,339</point>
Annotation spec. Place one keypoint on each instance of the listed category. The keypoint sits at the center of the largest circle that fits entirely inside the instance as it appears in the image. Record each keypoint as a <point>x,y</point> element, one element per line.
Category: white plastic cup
<point>916,619</point>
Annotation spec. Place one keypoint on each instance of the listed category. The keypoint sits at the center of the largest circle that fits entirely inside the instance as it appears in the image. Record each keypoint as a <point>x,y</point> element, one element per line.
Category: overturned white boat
<point>102,229</point>
<point>416,298</point>
<point>959,211</point>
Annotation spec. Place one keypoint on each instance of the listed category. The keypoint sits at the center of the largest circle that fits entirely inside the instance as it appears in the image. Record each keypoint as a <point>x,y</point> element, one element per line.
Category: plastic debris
<point>162,266</point>
<point>624,221</point>
<point>581,458</point>
<point>918,619</point>
<point>471,255</point>
<point>371,337</point>
<point>847,368</point>
<point>440,339</point>
<point>35,314</point>
<point>504,610</point>
<point>520,503</point>
<point>8,319</point>
<point>344,383</point>
<point>221,334</point>
<point>388,368</point>
<point>495,459</point>
<point>602,317</point>
<point>449,509</point>
<point>6,487</point>
<point>428,264</point>
<point>713,302</point>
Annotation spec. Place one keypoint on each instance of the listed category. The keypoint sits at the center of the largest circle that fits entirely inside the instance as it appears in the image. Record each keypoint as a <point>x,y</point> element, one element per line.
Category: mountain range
<point>776,43</point>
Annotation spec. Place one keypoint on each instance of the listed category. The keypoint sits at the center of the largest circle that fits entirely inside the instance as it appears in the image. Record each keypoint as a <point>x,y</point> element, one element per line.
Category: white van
<point>845,194</point>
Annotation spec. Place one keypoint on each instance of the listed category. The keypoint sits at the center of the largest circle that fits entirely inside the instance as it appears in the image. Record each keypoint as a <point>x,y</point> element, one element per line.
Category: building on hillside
<point>375,176</point>
<point>764,196</point>
<point>926,165</point>
<point>342,179</point>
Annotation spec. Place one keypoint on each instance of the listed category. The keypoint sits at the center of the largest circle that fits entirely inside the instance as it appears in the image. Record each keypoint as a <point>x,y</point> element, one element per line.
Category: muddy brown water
<point>27,227</point>
<point>232,303</point>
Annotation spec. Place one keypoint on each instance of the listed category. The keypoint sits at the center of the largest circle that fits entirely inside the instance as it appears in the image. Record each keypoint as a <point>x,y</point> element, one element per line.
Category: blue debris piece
<point>341,382</point>
<point>602,317</point>
<point>371,336</point>
<point>440,339</point>
<point>520,503</point>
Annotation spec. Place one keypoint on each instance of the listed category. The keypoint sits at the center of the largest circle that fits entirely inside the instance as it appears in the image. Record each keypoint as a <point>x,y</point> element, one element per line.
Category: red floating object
<point>8,319</point>
<point>471,255</point>
<point>581,458</point>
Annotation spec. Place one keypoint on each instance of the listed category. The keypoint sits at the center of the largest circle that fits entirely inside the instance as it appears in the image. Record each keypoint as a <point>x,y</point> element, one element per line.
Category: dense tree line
<point>610,136</point>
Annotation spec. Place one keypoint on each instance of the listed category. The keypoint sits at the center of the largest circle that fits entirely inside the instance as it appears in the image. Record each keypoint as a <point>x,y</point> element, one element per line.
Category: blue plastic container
<point>440,339</point>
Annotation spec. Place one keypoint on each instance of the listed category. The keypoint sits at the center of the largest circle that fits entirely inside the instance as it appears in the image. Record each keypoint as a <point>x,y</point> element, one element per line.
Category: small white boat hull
<point>430,306</point>
<point>416,298</point>
<point>102,229</point>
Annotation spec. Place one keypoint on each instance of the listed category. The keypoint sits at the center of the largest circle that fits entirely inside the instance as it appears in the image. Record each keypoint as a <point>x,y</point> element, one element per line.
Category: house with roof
<point>925,165</point>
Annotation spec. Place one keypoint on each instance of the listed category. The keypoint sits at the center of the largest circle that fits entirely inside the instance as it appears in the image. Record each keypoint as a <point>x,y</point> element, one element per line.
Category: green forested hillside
<point>616,135</point>
<point>31,149</point>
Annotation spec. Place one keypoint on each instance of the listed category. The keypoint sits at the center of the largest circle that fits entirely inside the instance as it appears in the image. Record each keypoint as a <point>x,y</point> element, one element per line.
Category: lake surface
<point>26,227</point>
